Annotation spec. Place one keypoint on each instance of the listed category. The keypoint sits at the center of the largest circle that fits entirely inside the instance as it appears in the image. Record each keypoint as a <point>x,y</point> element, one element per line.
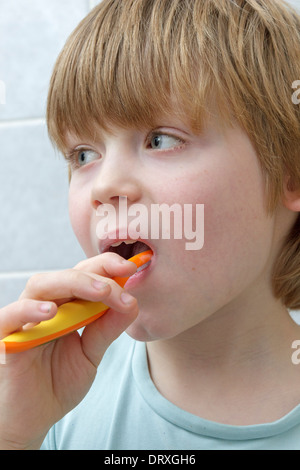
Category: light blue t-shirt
<point>124,411</point>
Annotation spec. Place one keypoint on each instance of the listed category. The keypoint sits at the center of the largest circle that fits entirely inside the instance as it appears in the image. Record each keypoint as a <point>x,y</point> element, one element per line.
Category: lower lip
<point>139,276</point>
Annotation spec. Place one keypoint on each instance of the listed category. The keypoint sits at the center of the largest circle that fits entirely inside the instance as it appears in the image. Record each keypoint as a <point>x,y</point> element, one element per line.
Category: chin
<point>140,334</point>
<point>146,331</point>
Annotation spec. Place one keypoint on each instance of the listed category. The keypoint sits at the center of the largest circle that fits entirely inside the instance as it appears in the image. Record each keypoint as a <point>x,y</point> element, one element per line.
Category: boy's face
<point>171,165</point>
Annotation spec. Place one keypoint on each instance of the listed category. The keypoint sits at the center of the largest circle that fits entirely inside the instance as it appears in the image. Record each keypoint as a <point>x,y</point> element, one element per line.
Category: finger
<point>108,265</point>
<point>98,336</point>
<point>16,315</point>
<point>65,286</point>
<point>74,283</point>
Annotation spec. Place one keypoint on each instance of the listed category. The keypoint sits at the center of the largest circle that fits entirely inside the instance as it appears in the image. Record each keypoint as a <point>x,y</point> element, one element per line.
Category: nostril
<point>96,204</point>
<point>115,200</point>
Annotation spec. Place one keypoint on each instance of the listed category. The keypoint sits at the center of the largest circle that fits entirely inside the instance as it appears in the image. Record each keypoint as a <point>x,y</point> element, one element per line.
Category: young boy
<point>178,102</point>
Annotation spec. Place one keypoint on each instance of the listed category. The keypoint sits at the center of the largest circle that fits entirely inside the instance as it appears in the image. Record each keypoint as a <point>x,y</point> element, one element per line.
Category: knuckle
<point>71,275</point>
<point>23,305</point>
<point>74,279</point>
<point>82,278</point>
<point>81,266</point>
<point>102,259</point>
<point>34,283</point>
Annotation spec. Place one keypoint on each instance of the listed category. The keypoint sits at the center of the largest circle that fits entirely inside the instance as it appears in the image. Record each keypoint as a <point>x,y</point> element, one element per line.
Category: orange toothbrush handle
<point>70,317</point>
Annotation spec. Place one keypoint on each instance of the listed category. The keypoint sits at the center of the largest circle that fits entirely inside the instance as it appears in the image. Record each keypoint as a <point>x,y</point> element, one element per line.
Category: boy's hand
<point>38,387</point>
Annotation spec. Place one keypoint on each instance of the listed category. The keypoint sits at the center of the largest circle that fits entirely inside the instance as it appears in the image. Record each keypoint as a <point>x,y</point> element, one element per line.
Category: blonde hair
<point>128,61</point>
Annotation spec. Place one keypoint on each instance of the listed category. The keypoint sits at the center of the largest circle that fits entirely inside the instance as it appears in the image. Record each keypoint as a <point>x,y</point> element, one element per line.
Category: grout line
<point>22,274</point>
<point>23,122</point>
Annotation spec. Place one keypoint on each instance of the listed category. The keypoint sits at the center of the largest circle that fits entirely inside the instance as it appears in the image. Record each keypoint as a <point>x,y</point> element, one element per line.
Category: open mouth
<point>128,248</point>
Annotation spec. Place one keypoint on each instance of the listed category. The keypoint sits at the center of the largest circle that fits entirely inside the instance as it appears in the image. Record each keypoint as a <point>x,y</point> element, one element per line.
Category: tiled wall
<point>295,3</point>
<point>35,230</point>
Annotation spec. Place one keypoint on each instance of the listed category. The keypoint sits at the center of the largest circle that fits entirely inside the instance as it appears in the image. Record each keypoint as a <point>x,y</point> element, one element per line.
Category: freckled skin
<point>205,170</point>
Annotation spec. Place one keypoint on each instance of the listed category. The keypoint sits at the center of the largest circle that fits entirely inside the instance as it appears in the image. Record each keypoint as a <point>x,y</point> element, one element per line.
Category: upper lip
<point>107,242</point>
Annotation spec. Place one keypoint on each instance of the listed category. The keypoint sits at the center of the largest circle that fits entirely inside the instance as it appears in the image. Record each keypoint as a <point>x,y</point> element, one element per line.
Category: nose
<point>116,178</point>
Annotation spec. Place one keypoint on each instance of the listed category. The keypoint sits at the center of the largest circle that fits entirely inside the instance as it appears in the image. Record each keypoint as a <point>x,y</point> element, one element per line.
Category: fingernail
<point>127,298</point>
<point>45,307</point>
<point>99,285</point>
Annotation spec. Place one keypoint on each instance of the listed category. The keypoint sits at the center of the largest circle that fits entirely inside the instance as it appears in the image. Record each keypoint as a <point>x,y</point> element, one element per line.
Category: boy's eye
<point>164,141</point>
<point>85,156</point>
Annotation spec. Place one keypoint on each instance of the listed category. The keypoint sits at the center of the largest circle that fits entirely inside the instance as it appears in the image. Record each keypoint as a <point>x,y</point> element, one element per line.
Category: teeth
<point>141,268</point>
<point>127,242</point>
<point>116,244</point>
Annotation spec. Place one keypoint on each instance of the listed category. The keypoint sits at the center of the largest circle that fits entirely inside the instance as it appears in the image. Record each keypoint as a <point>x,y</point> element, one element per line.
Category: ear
<point>291,195</point>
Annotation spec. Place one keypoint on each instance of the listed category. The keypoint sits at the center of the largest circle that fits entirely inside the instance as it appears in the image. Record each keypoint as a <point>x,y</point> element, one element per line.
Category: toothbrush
<point>69,317</point>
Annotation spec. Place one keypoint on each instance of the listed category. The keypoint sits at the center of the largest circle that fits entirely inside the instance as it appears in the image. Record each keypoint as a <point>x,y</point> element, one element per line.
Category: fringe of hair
<point>131,61</point>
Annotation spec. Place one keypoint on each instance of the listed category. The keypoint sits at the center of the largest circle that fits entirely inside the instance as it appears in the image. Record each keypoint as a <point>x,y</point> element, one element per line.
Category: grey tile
<point>35,230</point>
<point>93,3</point>
<point>32,34</point>
<point>295,3</point>
<point>295,314</point>
<point>11,288</point>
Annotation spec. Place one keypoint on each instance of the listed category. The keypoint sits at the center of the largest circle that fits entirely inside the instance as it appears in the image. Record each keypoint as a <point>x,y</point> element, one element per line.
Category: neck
<point>237,346</point>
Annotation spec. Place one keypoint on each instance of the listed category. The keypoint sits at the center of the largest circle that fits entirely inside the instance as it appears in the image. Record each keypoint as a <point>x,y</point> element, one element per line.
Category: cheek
<point>80,217</point>
<point>238,235</point>
<point>237,231</point>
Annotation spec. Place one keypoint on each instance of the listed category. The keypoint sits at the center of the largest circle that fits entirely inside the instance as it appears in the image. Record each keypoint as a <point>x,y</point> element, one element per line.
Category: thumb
<point>98,336</point>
